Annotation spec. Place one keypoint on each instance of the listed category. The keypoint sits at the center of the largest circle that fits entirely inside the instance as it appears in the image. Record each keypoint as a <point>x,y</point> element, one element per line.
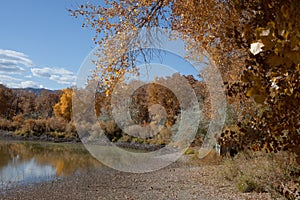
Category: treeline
<point>49,113</point>
<point>155,107</point>
<point>28,113</point>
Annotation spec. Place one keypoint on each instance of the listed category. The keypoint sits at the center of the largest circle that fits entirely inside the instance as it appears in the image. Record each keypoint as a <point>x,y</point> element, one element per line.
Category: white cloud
<point>66,79</point>
<point>13,82</point>
<point>11,69</point>
<point>4,79</point>
<point>42,72</point>
<point>59,75</point>
<point>12,61</point>
<point>31,84</point>
<point>47,72</point>
<point>17,63</point>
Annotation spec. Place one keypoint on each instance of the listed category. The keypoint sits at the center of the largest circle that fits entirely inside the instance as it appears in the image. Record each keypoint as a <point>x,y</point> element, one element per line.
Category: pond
<point>23,162</point>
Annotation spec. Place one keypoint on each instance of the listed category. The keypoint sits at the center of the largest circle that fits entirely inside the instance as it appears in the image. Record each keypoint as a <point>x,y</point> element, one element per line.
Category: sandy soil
<point>181,180</point>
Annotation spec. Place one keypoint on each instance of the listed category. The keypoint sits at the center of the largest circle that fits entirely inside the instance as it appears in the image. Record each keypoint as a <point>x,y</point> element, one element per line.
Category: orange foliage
<point>63,108</point>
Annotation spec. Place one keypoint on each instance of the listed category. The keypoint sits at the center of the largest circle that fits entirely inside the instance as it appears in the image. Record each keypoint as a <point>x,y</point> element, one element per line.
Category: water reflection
<point>23,162</point>
<point>25,171</point>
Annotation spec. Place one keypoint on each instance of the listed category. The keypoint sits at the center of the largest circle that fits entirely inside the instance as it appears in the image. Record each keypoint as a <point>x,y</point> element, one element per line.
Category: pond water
<point>24,162</point>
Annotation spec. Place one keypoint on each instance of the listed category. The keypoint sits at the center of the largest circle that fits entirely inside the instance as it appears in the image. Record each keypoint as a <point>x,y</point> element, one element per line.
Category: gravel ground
<point>177,181</point>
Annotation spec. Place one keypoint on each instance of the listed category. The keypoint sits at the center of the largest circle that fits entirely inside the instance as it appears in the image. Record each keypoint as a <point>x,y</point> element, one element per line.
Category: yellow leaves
<point>249,92</point>
<point>276,51</point>
<point>270,6</point>
<point>136,11</point>
<point>298,67</point>
<point>286,35</point>
<point>289,91</point>
<point>259,98</point>
<point>64,107</point>
<point>271,24</point>
<point>107,92</point>
<point>285,11</point>
<point>257,93</point>
<point>106,82</point>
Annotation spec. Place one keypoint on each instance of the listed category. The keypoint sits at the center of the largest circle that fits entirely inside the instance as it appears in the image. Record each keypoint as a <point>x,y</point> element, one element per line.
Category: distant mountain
<point>36,91</point>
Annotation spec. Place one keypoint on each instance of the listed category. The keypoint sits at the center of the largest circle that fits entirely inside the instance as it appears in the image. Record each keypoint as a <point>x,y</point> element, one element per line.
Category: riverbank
<point>7,135</point>
<point>182,180</point>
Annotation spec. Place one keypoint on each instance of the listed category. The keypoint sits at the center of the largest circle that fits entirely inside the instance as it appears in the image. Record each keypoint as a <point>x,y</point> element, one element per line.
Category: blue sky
<point>41,44</point>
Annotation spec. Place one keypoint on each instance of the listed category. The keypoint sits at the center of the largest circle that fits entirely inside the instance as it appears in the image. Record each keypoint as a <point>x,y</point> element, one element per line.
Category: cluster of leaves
<point>265,79</point>
<point>63,108</point>
<point>271,75</point>
<point>118,23</point>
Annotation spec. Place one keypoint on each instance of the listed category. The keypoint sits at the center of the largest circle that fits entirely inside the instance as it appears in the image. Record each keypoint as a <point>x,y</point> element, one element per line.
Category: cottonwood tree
<point>116,20</point>
<point>6,96</point>
<point>271,73</point>
<point>63,109</point>
<point>113,21</point>
<point>44,103</point>
<point>266,79</point>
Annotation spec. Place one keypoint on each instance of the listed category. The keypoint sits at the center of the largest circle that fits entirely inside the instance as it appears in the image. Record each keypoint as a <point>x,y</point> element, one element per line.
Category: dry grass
<point>260,172</point>
<point>53,127</point>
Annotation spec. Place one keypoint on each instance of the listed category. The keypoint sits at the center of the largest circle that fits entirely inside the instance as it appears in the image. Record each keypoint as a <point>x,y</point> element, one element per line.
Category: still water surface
<point>28,162</point>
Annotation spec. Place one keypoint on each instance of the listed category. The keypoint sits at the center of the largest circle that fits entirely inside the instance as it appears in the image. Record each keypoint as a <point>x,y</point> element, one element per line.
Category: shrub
<point>70,128</point>
<point>56,125</point>
<point>40,127</point>
<point>111,129</point>
<point>6,125</point>
<point>261,172</point>
<point>17,122</point>
<point>162,138</point>
<point>248,184</point>
<point>28,126</point>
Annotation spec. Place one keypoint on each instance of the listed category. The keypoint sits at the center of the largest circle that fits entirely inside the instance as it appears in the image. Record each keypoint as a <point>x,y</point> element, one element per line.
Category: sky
<point>41,45</point>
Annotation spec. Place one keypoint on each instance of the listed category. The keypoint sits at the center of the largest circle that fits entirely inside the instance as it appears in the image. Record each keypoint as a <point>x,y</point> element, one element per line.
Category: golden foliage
<point>63,108</point>
<point>226,29</point>
<point>272,76</point>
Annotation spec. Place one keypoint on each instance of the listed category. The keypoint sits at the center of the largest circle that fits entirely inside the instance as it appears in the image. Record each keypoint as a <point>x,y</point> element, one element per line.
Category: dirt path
<point>178,181</point>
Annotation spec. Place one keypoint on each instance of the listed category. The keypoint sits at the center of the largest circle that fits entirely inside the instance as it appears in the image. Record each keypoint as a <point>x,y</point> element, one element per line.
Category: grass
<point>261,172</point>
<point>189,151</point>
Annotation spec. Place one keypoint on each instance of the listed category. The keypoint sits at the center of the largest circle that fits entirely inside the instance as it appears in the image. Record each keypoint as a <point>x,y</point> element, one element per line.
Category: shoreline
<point>7,135</point>
<point>179,180</point>
<point>186,178</point>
